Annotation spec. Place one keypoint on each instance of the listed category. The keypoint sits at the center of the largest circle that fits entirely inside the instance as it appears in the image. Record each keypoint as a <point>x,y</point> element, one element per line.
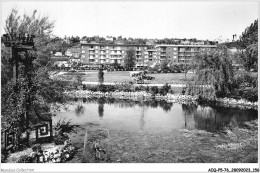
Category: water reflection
<point>101,102</point>
<point>214,118</point>
<point>155,115</point>
<point>80,108</point>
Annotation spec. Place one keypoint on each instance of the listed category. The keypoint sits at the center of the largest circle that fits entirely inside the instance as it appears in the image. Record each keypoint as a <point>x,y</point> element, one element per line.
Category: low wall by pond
<point>142,95</point>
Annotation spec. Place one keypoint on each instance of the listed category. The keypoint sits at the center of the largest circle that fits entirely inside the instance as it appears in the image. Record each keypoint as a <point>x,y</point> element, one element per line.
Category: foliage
<point>100,75</point>
<point>127,87</point>
<point>164,89</point>
<point>116,65</point>
<point>154,90</point>
<point>25,159</point>
<point>213,74</point>
<point>39,26</point>
<point>248,58</point>
<point>245,85</point>
<point>34,92</point>
<point>130,58</point>
<point>251,57</point>
<point>164,66</point>
<point>63,126</point>
<point>176,68</point>
<point>249,36</point>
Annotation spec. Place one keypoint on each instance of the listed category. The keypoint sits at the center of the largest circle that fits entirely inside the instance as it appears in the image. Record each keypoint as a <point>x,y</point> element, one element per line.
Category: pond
<point>153,116</point>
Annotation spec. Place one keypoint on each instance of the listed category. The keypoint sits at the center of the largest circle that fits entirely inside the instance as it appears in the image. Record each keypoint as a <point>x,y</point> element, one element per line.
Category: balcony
<point>115,53</point>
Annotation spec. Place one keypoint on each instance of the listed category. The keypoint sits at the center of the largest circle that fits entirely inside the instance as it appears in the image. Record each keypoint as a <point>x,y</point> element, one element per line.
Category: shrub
<point>102,88</point>
<point>25,159</point>
<point>165,89</point>
<point>63,126</point>
<point>58,140</point>
<point>36,148</point>
<point>100,76</point>
<point>154,90</point>
<point>250,94</point>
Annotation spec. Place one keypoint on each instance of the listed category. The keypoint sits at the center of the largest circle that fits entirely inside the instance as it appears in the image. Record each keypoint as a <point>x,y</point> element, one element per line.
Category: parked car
<point>72,70</point>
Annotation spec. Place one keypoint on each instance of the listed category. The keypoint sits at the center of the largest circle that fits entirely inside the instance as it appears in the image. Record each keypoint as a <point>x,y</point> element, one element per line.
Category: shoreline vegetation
<point>143,95</point>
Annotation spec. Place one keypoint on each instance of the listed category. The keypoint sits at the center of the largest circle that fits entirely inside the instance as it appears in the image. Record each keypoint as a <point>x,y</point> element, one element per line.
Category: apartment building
<point>179,53</point>
<point>96,53</point>
<point>74,51</point>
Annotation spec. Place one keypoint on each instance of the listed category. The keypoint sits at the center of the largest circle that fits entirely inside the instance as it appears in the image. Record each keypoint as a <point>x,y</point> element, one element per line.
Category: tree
<point>100,75</point>
<point>39,26</point>
<point>248,56</point>
<point>40,91</point>
<point>116,65</point>
<point>164,66</point>
<point>213,74</point>
<point>249,36</point>
<point>130,58</point>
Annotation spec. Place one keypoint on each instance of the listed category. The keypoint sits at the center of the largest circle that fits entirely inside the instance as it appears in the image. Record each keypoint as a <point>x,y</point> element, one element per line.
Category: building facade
<point>146,55</point>
<point>180,53</point>
<point>95,53</point>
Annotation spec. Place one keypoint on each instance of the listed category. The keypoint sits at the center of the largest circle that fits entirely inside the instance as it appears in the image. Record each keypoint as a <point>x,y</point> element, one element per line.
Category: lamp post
<point>22,53</point>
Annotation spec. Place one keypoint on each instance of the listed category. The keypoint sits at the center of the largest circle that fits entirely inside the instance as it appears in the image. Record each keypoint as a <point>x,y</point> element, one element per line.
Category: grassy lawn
<point>177,146</point>
<point>122,76</point>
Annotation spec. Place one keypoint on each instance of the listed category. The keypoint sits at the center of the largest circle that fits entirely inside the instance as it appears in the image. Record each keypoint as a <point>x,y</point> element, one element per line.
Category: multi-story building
<point>179,53</point>
<point>74,51</point>
<point>96,53</point>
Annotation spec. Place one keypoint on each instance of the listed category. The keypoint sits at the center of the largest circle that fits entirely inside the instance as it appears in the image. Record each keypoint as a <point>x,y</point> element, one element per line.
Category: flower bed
<point>49,153</point>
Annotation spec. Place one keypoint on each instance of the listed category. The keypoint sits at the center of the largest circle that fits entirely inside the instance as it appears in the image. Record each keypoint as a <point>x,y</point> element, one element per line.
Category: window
<point>182,49</point>
<point>174,57</point>
<point>175,49</point>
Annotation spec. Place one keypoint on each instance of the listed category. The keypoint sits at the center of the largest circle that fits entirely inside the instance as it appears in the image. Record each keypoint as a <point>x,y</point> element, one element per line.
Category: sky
<point>142,19</point>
